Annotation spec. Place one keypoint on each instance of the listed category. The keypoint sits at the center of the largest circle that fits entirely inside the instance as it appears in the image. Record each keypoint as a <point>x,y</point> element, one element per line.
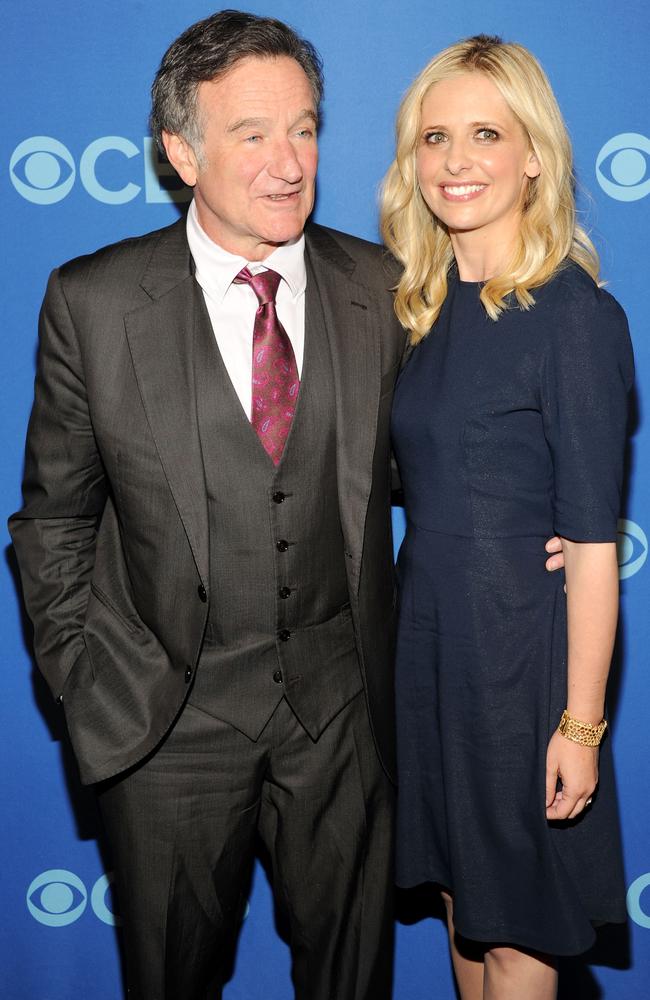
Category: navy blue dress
<point>505,433</point>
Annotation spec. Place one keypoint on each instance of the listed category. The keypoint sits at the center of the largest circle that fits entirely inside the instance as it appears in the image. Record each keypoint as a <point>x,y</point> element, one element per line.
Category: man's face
<point>255,174</point>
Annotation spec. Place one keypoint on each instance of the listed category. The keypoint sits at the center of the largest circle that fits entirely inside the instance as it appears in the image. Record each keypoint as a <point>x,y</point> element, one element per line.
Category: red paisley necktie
<point>275,374</point>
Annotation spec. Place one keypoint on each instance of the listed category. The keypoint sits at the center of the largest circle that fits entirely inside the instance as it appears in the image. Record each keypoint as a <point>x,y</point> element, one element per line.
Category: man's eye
<point>253,138</point>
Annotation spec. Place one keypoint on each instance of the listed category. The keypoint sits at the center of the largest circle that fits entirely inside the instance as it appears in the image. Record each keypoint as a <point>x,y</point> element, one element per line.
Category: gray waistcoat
<point>279,623</point>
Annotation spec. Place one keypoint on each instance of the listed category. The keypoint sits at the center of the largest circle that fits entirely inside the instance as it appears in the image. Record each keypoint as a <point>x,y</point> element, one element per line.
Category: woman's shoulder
<point>573,288</point>
<point>583,320</point>
<point>579,306</point>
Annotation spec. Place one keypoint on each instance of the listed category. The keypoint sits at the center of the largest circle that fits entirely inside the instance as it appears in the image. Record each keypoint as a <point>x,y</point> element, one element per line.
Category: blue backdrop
<point>78,172</point>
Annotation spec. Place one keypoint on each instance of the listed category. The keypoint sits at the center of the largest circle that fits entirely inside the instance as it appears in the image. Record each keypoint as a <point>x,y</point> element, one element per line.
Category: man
<point>214,609</point>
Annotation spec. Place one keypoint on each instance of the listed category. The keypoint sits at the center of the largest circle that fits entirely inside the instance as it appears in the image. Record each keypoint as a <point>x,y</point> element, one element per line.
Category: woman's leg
<point>511,974</point>
<point>466,958</point>
<point>498,972</point>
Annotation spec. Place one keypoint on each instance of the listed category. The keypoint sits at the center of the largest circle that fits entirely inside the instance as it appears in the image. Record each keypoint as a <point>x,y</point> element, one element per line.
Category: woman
<point>508,426</point>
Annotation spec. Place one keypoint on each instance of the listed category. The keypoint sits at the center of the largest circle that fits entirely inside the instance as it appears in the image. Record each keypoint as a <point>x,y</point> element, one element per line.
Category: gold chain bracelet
<point>581,732</point>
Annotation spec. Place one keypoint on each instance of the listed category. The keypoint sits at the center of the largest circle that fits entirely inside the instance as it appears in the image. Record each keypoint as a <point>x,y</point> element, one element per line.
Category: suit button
<point>277,677</point>
<point>284,635</point>
<point>284,592</point>
<point>59,700</point>
<point>202,593</point>
<point>188,675</point>
<point>282,545</point>
<point>278,497</point>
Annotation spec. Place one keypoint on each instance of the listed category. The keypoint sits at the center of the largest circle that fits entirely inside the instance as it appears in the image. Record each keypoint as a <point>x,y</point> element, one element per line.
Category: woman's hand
<point>577,768</point>
<point>556,554</point>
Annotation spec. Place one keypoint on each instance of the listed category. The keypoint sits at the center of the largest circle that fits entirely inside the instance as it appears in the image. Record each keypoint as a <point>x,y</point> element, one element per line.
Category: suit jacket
<point>112,540</point>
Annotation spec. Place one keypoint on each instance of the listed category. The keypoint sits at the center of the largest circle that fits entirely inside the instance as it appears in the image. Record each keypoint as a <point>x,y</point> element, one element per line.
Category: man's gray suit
<point>165,561</point>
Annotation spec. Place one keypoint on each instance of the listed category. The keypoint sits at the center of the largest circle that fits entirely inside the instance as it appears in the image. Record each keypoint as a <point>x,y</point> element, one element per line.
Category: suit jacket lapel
<point>348,315</point>
<point>161,338</point>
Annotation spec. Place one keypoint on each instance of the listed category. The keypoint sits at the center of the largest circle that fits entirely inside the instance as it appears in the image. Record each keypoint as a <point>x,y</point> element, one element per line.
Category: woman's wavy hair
<point>549,233</point>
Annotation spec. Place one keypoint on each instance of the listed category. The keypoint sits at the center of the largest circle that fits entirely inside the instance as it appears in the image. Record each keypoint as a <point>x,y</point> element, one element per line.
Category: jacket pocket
<point>106,601</point>
<point>81,674</point>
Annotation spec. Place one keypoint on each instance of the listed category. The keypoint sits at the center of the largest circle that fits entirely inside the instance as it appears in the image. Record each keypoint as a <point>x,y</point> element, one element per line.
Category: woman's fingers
<point>562,806</point>
<point>579,807</point>
<point>551,782</point>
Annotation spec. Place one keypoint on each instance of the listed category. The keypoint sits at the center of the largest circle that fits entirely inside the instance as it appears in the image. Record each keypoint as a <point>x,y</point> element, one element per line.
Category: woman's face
<point>473,158</point>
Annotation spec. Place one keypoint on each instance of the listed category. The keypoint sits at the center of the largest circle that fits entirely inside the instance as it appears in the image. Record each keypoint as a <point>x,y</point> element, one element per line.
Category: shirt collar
<point>216,268</point>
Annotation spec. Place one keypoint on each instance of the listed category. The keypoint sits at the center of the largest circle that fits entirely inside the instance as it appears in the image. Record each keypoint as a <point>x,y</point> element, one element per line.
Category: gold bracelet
<point>581,732</point>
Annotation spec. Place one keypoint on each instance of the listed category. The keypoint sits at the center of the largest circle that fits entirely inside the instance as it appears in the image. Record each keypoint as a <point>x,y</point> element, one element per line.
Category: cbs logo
<point>58,897</point>
<point>622,167</point>
<point>634,908</point>
<point>43,171</point>
<point>632,548</point>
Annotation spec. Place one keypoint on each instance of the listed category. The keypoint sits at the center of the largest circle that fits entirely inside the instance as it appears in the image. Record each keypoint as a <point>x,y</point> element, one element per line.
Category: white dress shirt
<point>232,307</point>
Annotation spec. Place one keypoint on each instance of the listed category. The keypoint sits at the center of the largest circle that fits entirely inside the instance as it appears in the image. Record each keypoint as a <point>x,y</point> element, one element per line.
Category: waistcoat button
<point>277,677</point>
<point>188,675</point>
<point>202,593</point>
<point>284,634</point>
<point>278,497</point>
<point>284,592</point>
<point>282,545</point>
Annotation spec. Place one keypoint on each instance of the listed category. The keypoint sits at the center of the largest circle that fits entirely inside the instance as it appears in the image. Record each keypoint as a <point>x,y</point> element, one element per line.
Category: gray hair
<point>207,50</point>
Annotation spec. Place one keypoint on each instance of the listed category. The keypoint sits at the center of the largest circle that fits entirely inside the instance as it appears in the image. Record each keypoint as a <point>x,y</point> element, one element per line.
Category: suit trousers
<point>183,828</point>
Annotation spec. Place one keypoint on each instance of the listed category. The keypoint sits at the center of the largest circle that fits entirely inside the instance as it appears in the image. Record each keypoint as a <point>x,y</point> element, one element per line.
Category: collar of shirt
<point>216,268</point>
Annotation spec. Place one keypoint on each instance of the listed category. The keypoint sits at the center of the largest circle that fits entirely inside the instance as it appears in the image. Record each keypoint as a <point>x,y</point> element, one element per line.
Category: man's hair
<point>549,234</point>
<point>206,51</point>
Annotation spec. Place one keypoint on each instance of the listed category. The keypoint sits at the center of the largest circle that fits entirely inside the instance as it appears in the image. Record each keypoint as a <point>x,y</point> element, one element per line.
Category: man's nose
<point>284,163</point>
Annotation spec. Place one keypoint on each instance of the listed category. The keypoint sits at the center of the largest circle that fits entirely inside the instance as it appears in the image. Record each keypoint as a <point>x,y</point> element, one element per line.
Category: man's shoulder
<point>346,241</point>
<point>369,261</point>
<point>127,258</point>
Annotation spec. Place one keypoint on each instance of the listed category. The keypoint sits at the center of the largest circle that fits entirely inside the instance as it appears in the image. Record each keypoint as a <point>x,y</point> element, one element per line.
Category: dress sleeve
<point>589,372</point>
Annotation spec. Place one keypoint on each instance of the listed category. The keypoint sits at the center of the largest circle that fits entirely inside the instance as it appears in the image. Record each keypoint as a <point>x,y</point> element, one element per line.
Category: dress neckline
<point>454,277</point>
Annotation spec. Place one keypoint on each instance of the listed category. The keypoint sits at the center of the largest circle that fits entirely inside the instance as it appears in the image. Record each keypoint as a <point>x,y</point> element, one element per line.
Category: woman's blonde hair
<point>549,233</point>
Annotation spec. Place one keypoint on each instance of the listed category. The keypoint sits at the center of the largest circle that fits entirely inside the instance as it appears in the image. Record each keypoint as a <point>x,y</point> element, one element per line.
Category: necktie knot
<point>265,284</point>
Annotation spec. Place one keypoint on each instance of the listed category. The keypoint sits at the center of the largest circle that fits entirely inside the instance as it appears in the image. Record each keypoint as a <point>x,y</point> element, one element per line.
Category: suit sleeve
<point>64,494</point>
<point>396,482</point>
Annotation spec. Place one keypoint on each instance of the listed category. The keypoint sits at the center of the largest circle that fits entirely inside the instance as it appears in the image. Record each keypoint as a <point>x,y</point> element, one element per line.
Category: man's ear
<point>182,157</point>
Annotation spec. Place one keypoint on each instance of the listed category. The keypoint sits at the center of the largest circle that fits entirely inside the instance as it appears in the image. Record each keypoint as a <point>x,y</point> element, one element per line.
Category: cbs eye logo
<point>58,897</point>
<point>48,170</point>
<point>634,894</point>
<point>632,548</point>
<point>623,167</point>
<point>43,171</point>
